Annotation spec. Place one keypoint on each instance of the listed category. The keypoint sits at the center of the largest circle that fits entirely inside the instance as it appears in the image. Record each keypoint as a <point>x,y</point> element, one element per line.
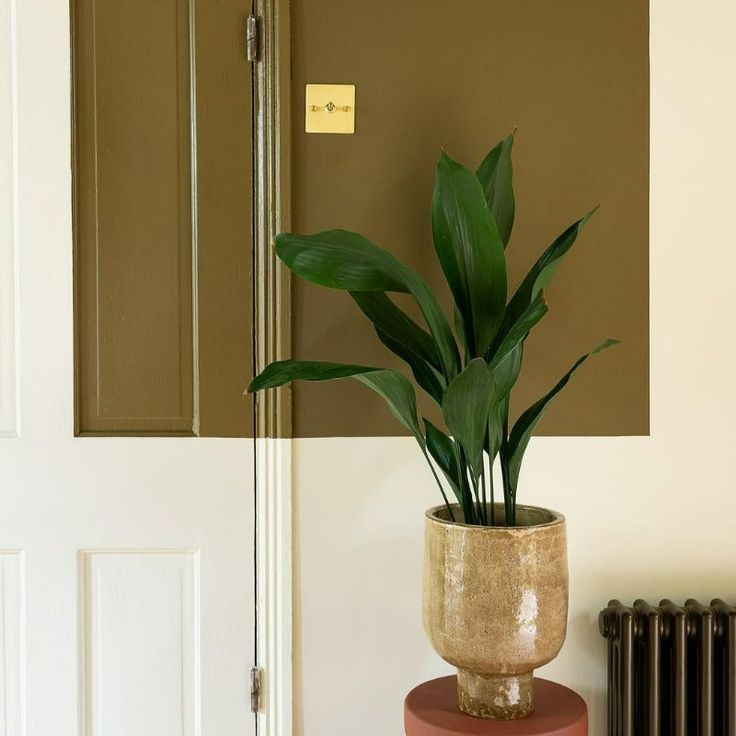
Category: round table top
<point>431,710</point>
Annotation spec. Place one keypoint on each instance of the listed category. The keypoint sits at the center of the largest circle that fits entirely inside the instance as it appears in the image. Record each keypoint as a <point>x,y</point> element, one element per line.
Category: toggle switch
<point>330,108</point>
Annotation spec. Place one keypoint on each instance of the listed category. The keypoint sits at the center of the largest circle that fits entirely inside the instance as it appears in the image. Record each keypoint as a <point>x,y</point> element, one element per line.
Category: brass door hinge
<point>256,675</point>
<point>251,38</point>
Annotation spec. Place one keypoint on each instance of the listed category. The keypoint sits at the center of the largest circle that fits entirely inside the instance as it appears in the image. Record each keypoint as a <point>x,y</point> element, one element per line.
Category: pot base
<point>496,697</point>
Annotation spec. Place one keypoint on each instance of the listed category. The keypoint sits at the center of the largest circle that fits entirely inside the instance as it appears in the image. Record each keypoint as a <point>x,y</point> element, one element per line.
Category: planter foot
<point>496,697</point>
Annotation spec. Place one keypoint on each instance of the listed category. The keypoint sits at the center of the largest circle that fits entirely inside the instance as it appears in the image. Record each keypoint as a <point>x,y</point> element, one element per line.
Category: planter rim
<point>558,518</point>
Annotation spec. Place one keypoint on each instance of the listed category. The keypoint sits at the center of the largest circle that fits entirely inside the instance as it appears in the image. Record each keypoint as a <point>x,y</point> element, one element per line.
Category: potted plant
<point>495,578</point>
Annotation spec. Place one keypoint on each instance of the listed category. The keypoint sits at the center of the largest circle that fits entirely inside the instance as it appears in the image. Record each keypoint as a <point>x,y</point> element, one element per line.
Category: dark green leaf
<point>391,385</point>
<point>505,375</point>
<point>345,260</point>
<point>495,427</point>
<point>399,394</point>
<point>404,337</point>
<point>507,371</point>
<point>470,252</point>
<point>440,447</point>
<point>282,372</point>
<point>466,407</point>
<point>460,332</point>
<point>541,273</point>
<point>496,174</point>
<point>521,433</point>
<point>341,260</point>
<point>506,365</point>
<point>389,319</point>
<point>437,323</point>
<point>425,375</point>
<point>520,329</point>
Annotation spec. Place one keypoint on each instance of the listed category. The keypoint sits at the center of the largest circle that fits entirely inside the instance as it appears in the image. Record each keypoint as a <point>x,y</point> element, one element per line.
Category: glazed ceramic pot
<point>495,604</point>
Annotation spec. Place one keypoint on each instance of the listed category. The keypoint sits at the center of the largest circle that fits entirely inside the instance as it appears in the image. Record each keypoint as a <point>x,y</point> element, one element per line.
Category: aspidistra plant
<point>469,371</point>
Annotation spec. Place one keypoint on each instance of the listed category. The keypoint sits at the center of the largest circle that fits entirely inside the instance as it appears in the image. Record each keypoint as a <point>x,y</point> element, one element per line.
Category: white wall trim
<point>274,585</point>
<point>273,459</point>
<point>8,222</point>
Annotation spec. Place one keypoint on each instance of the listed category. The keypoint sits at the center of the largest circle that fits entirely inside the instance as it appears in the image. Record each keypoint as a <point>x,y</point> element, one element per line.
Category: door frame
<point>272,337</point>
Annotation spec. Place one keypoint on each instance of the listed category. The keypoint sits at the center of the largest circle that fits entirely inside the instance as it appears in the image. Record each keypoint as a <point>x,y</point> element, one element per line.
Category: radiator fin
<point>671,668</point>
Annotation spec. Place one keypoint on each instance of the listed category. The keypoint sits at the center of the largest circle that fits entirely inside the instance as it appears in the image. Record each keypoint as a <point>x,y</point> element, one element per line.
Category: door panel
<point>134,215</point>
<point>126,599</point>
<point>163,212</point>
<point>224,216</point>
<point>133,603</point>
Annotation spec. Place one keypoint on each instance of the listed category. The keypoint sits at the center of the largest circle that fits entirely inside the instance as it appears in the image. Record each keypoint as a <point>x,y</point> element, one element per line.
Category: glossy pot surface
<point>495,604</point>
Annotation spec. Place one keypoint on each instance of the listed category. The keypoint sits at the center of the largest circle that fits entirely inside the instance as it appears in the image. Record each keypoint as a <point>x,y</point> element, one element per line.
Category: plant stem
<point>439,484</point>
<point>493,502</point>
<point>476,495</point>
<point>508,499</point>
<point>484,506</point>
<point>467,503</point>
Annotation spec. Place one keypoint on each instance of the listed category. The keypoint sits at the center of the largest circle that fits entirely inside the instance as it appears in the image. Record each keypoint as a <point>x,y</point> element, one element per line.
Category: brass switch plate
<point>330,108</point>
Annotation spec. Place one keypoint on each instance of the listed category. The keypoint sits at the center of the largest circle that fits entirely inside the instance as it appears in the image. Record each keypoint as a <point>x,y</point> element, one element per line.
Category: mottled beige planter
<point>495,604</point>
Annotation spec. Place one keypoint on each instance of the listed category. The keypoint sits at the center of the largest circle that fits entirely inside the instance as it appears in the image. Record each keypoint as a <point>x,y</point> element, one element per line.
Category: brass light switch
<point>330,108</point>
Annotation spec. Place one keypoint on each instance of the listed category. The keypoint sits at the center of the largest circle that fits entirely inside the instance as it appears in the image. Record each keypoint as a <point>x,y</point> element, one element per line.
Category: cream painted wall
<point>648,517</point>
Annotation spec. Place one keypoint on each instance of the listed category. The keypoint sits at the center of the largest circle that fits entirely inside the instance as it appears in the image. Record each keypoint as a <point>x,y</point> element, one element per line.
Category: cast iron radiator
<point>671,669</point>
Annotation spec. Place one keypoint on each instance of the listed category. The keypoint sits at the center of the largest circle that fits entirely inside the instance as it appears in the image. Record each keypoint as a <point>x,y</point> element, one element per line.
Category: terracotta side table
<point>431,710</point>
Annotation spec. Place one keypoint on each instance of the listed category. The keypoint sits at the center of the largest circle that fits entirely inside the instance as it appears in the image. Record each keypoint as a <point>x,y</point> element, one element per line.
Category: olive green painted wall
<point>573,75</point>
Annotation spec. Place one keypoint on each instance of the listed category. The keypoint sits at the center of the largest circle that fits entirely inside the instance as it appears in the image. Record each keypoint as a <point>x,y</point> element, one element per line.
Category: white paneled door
<point>126,564</point>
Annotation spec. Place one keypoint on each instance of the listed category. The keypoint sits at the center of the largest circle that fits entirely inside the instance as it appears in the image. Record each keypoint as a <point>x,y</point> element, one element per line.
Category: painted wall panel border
<point>582,139</point>
<point>8,222</point>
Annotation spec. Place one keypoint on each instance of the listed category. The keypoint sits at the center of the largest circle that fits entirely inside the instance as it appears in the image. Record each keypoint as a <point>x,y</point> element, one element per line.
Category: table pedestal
<point>431,710</point>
